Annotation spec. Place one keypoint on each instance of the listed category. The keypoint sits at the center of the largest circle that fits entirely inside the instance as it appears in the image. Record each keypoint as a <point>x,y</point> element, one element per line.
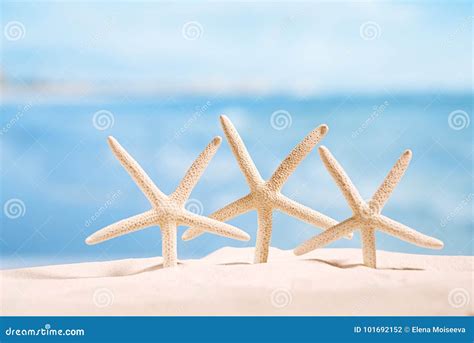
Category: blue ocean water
<point>60,182</point>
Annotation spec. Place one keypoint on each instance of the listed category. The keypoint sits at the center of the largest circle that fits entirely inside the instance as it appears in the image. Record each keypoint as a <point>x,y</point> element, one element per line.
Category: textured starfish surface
<point>265,196</point>
<point>168,212</point>
<point>367,217</point>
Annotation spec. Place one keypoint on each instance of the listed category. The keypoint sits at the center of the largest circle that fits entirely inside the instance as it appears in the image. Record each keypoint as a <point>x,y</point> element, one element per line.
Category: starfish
<point>167,211</point>
<point>265,196</point>
<point>367,217</point>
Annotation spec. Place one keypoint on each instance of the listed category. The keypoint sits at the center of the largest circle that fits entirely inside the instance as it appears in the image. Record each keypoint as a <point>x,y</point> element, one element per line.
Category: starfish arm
<point>169,244</point>
<point>195,172</point>
<point>141,178</point>
<point>407,234</point>
<point>330,235</point>
<point>211,225</point>
<point>123,227</point>
<point>299,153</point>
<point>264,235</point>
<point>234,209</point>
<point>342,180</point>
<point>304,213</point>
<point>368,246</point>
<point>241,154</point>
<point>391,181</point>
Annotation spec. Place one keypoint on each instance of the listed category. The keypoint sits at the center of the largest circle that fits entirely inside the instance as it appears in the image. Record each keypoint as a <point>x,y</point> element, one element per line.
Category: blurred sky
<point>266,47</point>
<point>384,77</point>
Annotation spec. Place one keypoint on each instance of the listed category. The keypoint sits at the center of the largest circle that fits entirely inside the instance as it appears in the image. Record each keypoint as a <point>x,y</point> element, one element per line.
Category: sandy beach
<point>329,282</point>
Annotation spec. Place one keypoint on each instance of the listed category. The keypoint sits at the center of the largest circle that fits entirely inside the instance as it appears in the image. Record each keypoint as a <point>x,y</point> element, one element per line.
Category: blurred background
<point>156,75</point>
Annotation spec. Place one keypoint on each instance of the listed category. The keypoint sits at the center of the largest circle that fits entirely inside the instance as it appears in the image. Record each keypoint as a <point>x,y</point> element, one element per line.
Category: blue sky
<point>302,48</point>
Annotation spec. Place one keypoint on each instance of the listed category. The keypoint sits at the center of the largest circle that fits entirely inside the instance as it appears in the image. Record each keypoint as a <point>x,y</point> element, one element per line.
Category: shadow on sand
<point>49,275</point>
<point>342,265</point>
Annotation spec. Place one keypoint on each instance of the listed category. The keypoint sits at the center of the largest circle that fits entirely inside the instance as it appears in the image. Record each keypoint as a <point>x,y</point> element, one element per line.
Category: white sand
<point>325,282</point>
